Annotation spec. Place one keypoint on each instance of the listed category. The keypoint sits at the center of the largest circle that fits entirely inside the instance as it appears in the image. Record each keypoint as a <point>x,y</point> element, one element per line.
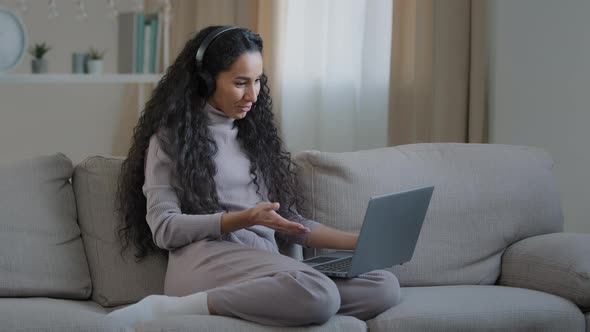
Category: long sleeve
<point>300,239</point>
<point>170,227</point>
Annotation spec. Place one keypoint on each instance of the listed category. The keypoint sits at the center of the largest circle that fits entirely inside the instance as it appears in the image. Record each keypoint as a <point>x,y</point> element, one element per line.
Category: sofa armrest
<point>557,263</point>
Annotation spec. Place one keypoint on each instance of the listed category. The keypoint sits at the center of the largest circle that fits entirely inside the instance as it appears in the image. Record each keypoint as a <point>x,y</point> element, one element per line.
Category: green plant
<point>39,50</point>
<point>95,54</point>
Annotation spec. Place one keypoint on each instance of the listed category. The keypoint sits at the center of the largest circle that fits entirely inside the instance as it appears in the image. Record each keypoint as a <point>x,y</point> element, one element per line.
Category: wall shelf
<point>139,79</point>
<point>80,78</point>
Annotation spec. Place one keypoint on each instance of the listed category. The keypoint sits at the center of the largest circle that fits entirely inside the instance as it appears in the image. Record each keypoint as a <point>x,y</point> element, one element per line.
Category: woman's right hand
<point>265,214</point>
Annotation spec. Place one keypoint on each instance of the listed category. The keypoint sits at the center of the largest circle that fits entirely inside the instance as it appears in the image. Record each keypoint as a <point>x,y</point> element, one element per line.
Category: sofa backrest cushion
<point>486,197</point>
<point>116,279</point>
<point>41,252</point>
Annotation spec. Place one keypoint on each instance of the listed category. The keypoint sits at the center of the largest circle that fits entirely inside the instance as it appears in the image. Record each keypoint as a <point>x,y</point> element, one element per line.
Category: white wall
<point>91,118</point>
<point>540,90</point>
<point>76,119</point>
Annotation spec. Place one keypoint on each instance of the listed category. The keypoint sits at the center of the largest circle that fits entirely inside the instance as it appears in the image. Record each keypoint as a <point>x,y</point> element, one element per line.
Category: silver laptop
<point>388,236</point>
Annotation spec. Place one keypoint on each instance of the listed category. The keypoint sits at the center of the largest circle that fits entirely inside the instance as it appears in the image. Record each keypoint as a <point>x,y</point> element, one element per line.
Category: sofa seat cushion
<point>218,323</point>
<point>41,252</point>
<point>48,315</point>
<point>479,308</point>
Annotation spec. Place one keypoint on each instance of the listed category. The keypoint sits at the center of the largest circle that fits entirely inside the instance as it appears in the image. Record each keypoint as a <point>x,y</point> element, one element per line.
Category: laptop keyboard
<point>338,266</point>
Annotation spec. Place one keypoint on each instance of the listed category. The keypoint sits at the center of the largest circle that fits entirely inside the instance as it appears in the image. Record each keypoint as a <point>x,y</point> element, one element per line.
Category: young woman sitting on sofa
<point>209,173</point>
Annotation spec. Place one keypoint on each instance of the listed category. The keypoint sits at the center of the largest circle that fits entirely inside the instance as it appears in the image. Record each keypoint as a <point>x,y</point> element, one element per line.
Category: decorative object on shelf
<point>13,39</point>
<point>166,13</point>
<point>53,13</point>
<point>112,10</point>
<point>39,64</point>
<point>143,47</point>
<point>24,7</point>
<point>79,62</point>
<point>81,14</point>
<point>94,63</point>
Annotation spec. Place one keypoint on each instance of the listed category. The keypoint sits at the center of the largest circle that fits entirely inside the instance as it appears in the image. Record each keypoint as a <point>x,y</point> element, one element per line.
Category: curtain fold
<point>437,82</point>
<point>336,74</point>
<point>438,87</point>
<point>270,24</point>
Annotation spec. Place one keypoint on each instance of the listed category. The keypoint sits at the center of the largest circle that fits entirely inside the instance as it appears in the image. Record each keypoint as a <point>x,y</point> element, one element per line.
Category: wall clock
<point>13,39</point>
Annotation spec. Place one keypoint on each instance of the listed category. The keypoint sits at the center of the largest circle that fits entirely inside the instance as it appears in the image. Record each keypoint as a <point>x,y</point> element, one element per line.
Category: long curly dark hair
<point>176,107</point>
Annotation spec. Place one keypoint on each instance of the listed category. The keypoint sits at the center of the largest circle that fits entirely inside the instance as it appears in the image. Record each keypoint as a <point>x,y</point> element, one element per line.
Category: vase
<point>79,63</point>
<point>39,66</point>
<point>94,66</point>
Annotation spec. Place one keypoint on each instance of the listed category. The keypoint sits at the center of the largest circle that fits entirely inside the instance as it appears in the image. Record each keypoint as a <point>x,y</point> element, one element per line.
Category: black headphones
<point>207,80</point>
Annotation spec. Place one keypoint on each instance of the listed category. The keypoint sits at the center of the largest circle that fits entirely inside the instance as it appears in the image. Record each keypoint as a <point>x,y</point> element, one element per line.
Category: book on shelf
<point>139,42</point>
<point>152,36</point>
<point>147,44</point>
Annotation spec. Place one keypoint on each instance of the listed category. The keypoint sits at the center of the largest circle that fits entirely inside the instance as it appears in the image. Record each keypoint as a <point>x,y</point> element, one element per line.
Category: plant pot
<point>94,66</point>
<point>39,66</point>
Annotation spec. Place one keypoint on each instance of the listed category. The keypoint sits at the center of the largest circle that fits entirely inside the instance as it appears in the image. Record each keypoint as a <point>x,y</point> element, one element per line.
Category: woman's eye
<point>240,83</point>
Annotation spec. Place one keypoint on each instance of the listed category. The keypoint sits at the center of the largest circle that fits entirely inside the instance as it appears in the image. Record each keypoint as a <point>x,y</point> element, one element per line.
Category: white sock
<point>194,304</point>
<point>156,306</point>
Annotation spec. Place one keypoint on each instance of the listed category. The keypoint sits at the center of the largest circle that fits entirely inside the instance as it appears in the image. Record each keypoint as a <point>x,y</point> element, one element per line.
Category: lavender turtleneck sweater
<point>172,229</point>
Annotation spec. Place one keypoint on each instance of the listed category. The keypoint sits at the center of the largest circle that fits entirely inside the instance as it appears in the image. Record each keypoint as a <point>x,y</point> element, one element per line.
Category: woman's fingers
<point>292,227</point>
<point>276,221</point>
<point>283,225</point>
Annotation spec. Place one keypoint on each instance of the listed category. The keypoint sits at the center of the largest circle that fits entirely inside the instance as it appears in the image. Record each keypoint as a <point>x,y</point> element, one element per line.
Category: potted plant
<point>39,64</point>
<point>94,64</point>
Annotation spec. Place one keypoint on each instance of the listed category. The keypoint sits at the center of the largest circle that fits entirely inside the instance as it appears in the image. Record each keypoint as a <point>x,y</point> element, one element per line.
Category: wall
<point>540,90</point>
<point>76,119</point>
<point>91,118</point>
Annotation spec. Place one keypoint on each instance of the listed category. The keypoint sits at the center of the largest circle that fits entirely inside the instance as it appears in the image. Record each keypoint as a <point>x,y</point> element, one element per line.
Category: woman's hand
<point>265,214</point>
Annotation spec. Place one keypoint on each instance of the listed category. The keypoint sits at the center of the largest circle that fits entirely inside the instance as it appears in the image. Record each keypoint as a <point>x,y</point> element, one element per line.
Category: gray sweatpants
<point>274,289</point>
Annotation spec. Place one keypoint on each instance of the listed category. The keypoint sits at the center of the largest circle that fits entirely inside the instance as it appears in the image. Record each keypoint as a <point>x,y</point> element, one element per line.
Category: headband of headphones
<point>208,40</point>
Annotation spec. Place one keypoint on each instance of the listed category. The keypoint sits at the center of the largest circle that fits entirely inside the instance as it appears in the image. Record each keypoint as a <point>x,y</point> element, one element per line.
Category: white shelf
<point>80,78</point>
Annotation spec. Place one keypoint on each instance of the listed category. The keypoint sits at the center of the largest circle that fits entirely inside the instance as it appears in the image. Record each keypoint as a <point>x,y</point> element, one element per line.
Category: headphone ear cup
<point>207,83</point>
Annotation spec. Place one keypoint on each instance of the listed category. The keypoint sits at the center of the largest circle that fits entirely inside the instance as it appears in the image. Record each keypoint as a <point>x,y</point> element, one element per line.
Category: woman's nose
<point>251,94</point>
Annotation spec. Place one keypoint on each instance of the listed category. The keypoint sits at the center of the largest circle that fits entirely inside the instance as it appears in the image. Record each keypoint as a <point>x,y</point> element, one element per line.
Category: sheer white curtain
<point>335,74</point>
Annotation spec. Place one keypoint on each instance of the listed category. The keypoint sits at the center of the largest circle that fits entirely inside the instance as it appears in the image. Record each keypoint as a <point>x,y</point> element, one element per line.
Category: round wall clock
<point>13,39</point>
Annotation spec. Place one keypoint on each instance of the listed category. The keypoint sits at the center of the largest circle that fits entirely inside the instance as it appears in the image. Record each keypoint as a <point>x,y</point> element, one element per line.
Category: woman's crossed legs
<point>273,289</point>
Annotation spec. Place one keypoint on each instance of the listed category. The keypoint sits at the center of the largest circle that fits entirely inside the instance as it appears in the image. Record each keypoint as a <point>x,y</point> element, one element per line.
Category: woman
<point>209,173</point>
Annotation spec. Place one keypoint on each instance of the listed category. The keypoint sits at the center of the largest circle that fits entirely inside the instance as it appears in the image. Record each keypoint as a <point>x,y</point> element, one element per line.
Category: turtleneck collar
<point>218,118</point>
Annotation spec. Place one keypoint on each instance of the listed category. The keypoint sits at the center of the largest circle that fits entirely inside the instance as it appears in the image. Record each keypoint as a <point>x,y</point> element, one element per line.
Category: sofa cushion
<point>486,197</point>
<point>479,308</point>
<point>41,252</point>
<point>222,324</point>
<point>116,279</point>
<point>54,315</point>
<point>557,263</point>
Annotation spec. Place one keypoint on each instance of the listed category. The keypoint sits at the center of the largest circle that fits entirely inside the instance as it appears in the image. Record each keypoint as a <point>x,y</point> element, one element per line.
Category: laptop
<point>388,235</point>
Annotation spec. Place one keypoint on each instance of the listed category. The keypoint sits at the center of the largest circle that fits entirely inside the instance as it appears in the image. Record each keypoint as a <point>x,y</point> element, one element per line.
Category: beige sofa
<point>491,255</point>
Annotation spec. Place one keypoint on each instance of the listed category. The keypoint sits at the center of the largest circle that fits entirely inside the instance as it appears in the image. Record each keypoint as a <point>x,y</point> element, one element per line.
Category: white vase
<point>94,66</point>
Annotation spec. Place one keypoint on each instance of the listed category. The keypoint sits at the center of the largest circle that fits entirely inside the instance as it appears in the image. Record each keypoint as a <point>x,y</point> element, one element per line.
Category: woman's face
<point>237,88</point>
